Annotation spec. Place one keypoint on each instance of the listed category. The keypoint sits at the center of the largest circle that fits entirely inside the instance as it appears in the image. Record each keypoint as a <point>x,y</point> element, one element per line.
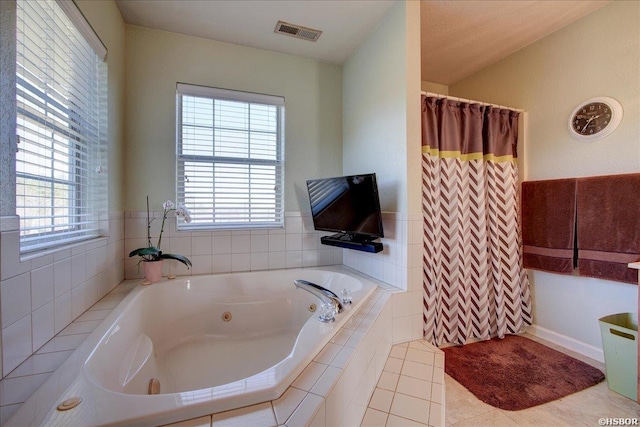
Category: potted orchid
<point>152,256</point>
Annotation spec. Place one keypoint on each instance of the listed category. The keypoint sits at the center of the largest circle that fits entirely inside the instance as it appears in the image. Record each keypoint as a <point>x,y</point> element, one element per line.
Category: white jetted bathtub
<point>183,348</point>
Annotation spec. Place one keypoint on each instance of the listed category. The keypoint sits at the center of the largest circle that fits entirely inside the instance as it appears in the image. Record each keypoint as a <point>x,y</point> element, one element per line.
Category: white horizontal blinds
<point>61,122</point>
<point>83,27</point>
<point>230,158</point>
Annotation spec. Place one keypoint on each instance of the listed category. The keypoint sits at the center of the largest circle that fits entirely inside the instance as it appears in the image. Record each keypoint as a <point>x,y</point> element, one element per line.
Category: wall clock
<point>595,118</point>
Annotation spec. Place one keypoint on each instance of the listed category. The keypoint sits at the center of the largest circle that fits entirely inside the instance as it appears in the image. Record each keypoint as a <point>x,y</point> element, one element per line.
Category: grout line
<point>114,295</point>
<point>395,391</point>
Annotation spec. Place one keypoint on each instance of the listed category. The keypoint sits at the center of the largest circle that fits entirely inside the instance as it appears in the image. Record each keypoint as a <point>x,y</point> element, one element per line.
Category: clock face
<point>595,118</point>
<point>591,118</point>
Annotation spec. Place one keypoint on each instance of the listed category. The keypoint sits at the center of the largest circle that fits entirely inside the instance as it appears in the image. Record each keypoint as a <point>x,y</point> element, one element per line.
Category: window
<point>61,80</point>
<point>230,158</point>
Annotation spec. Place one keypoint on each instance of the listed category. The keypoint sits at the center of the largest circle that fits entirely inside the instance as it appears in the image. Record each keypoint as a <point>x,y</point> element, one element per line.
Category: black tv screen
<point>346,204</point>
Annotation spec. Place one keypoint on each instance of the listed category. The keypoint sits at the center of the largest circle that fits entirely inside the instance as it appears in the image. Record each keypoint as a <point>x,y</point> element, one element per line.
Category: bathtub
<point>192,346</point>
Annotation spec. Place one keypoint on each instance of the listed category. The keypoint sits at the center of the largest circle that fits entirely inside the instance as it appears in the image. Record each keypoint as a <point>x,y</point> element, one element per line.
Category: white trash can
<point>620,345</point>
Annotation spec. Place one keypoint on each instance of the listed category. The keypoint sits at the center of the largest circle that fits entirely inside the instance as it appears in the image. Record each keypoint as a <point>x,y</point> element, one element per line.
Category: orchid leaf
<point>183,259</point>
<point>151,250</point>
<point>153,253</point>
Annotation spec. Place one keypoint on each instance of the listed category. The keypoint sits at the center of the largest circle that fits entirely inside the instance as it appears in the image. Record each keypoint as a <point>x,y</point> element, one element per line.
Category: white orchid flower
<point>182,211</point>
<point>168,205</point>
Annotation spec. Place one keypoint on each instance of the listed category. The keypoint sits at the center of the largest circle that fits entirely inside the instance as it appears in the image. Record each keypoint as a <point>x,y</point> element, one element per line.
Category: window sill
<point>28,256</point>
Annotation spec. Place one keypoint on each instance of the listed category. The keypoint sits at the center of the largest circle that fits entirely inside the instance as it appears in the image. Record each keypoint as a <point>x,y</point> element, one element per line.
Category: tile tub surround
<point>357,379</point>
<point>296,245</point>
<point>405,395</point>
<point>41,293</point>
<point>229,251</point>
<point>399,265</point>
<point>358,352</point>
<point>23,381</point>
<point>400,262</point>
<point>406,307</point>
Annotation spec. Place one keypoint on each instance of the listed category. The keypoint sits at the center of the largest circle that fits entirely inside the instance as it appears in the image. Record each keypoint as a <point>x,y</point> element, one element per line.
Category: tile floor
<point>584,408</point>
<point>402,400</point>
<point>410,391</point>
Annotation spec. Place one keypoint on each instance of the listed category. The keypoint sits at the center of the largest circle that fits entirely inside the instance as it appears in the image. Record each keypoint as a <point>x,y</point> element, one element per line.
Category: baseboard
<point>567,342</point>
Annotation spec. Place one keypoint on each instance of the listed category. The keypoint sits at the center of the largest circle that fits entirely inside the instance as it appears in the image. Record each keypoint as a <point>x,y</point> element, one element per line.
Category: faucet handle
<point>345,296</point>
<point>328,312</point>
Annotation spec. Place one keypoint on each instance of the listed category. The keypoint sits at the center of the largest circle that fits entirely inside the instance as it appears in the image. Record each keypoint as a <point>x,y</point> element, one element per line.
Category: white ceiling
<point>344,23</point>
<point>458,38</point>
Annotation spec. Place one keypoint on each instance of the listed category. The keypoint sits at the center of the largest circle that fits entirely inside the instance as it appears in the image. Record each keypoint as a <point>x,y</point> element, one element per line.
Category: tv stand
<point>359,242</point>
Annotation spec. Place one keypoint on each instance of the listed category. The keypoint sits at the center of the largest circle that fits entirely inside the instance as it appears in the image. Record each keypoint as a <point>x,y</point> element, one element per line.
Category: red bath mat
<point>516,373</point>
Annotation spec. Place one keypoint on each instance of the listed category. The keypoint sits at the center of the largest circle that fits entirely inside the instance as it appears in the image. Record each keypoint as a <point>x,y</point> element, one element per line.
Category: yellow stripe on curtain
<point>434,152</point>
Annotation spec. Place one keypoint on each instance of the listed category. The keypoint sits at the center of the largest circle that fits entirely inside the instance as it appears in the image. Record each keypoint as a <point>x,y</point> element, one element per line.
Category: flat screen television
<point>348,205</point>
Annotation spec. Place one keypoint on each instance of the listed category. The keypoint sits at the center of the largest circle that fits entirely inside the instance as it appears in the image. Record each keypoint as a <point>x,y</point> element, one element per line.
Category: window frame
<point>212,93</point>
<point>55,127</point>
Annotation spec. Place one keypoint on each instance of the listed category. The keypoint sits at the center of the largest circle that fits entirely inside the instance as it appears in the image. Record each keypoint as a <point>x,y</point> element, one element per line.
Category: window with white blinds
<point>61,91</point>
<point>230,158</point>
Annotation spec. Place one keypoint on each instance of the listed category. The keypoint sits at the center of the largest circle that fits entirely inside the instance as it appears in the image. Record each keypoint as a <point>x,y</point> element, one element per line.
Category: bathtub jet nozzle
<point>331,302</point>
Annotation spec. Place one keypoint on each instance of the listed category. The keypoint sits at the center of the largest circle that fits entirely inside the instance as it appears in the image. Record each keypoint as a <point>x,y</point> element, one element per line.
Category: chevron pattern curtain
<point>474,284</point>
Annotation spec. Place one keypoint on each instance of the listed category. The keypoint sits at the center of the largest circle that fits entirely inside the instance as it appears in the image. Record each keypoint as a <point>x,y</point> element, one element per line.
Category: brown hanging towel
<point>609,226</point>
<point>548,224</point>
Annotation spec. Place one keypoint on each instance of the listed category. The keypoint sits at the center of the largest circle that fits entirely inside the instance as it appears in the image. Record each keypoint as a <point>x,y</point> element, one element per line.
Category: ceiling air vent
<point>297,31</point>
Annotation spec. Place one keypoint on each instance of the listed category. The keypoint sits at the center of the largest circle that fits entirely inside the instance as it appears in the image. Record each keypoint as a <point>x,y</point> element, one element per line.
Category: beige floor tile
<point>542,416</point>
<point>381,400</point>
<point>393,365</point>
<point>429,346</point>
<point>414,387</point>
<point>388,381</point>
<point>395,421</point>
<point>417,370</point>
<point>419,356</point>
<point>589,405</point>
<point>410,407</point>
<point>493,418</point>
<point>461,404</point>
<point>398,352</point>
<point>374,418</point>
<point>417,345</point>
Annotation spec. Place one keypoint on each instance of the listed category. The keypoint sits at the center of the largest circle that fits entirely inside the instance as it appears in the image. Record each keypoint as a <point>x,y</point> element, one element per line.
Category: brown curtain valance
<point>459,129</point>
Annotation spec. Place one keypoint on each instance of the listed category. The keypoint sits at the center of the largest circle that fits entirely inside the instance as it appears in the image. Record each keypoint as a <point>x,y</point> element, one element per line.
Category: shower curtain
<point>474,284</point>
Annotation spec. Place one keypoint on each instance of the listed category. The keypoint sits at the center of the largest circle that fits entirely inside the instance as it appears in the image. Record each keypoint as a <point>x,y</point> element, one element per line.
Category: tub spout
<point>324,294</point>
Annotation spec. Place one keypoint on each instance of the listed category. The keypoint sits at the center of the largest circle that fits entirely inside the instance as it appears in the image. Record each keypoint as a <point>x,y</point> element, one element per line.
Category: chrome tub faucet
<point>331,302</point>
